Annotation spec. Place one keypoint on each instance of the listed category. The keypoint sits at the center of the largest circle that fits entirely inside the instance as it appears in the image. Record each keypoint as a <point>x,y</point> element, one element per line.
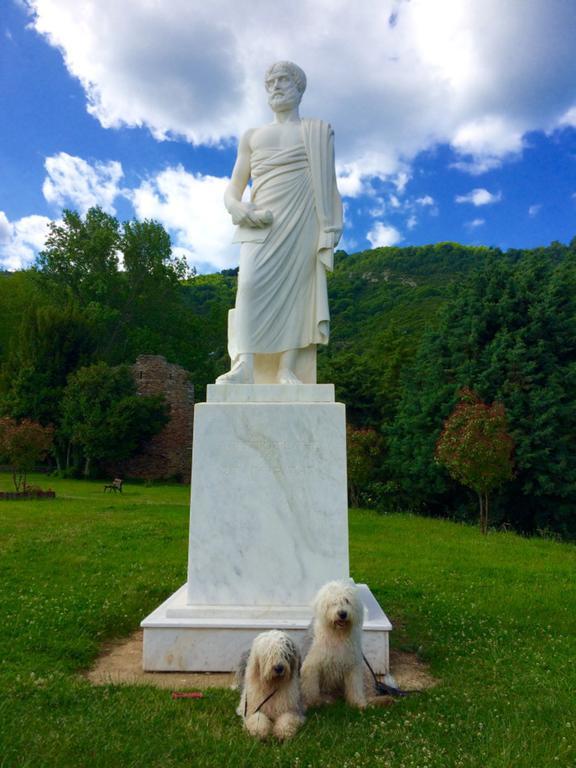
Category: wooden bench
<point>115,485</point>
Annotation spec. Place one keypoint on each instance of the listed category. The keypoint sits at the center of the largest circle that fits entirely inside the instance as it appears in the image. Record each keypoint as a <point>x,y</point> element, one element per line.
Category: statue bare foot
<point>238,374</point>
<point>286,376</point>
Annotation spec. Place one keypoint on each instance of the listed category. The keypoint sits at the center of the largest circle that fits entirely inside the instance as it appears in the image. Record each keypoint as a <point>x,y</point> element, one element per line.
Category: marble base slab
<point>179,637</point>
<point>270,393</point>
<point>269,508</point>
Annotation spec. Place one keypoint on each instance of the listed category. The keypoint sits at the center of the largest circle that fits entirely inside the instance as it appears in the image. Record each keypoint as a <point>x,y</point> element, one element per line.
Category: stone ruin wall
<point>169,453</point>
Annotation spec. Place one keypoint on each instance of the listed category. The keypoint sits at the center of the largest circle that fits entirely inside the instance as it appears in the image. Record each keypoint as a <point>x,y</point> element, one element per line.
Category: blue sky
<point>454,120</point>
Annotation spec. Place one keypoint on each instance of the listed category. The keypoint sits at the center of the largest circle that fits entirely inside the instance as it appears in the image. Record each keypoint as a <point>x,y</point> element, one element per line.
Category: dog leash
<point>259,705</point>
<point>383,689</point>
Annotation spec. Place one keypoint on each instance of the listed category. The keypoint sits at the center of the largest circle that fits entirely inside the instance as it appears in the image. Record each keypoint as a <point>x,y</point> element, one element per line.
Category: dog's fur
<point>334,665</point>
<point>272,665</point>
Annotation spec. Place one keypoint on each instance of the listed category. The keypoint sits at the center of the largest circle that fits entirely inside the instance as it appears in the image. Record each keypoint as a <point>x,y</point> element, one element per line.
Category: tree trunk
<point>482,512</point>
<point>87,467</point>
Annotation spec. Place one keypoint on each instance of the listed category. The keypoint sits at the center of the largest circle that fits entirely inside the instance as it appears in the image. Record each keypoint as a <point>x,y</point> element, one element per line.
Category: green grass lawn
<point>495,618</point>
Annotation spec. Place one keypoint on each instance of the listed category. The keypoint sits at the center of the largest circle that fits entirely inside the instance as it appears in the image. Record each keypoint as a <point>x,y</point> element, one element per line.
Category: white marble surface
<point>288,231</point>
<point>270,393</point>
<point>269,517</point>
<point>202,642</point>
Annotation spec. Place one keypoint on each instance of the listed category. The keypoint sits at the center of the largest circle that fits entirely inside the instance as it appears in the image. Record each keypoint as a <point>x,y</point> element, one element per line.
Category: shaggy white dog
<point>334,665</point>
<point>269,678</point>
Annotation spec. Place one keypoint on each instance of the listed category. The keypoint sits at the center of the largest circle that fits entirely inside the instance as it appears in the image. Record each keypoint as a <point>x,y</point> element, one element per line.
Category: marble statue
<point>287,232</point>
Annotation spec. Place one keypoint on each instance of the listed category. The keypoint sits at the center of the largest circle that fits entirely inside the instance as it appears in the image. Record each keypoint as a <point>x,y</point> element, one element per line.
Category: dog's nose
<point>279,668</point>
<point>342,615</point>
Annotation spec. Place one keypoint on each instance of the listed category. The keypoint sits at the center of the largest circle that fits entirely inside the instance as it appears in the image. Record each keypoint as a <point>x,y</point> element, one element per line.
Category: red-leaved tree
<point>476,449</point>
<point>23,444</point>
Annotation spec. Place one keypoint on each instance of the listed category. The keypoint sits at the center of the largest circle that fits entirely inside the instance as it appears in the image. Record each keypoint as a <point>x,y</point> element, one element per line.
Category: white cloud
<point>394,78</point>
<point>486,142</point>
<point>21,240</point>
<point>475,223</point>
<point>191,207</point>
<point>411,222</point>
<point>382,235</point>
<point>401,181</point>
<point>568,119</point>
<point>479,197</point>
<point>74,182</point>
<point>350,181</point>
<point>425,200</point>
<point>534,210</point>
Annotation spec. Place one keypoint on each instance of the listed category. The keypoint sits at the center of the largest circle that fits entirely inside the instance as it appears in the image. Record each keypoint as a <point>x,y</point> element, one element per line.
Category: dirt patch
<point>410,673</point>
<point>121,662</point>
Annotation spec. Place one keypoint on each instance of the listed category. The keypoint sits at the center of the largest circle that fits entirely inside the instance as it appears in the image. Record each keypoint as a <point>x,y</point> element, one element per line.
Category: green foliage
<point>102,415</point>
<point>364,448</point>
<point>508,333</point>
<point>18,292</point>
<point>81,255</point>
<point>476,449</point>
<point>23,444</point>
<point>51,342</point>
<point>124,279</point>
<point>207,299</point>
<point>381,302</point>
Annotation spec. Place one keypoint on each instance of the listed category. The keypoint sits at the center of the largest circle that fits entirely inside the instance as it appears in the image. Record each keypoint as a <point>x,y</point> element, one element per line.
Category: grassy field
<point>495,618</point>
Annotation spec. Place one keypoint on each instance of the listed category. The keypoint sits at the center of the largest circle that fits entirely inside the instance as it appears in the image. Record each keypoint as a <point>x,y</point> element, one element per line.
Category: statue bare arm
<point>242,213</point>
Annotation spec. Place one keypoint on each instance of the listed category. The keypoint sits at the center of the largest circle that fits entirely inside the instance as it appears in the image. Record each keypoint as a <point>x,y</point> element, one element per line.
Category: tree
<point>81,255</point>
<point>476,449</point>
<point>124,278</point>
<point>104,417</point>
<point>363,452</point>
<point>50,343</point>
<point>23,444</point>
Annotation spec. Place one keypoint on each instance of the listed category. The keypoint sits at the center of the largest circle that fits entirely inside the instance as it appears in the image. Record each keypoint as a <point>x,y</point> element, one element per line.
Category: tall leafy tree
<point>80,257</point>
<point>124,277</point>
<point>103,416</point>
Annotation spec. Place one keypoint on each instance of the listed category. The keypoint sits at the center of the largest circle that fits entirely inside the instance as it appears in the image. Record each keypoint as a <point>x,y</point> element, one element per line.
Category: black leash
<point>259,705</point>
<point>383,689</point>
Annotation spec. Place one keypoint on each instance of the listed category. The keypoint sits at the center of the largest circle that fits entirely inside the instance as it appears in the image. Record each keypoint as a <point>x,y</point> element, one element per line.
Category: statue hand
<point>246,215</point>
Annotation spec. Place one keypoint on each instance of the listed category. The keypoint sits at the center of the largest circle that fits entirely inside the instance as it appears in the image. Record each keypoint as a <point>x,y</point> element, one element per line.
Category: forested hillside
<point>410,328</point>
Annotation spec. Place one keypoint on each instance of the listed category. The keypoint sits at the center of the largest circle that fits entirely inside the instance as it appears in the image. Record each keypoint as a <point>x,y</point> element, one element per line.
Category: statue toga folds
<point>282,301</point>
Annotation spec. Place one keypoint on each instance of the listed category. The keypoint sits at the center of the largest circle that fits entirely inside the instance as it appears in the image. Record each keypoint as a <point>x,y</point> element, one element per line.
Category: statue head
<point>285,83</point>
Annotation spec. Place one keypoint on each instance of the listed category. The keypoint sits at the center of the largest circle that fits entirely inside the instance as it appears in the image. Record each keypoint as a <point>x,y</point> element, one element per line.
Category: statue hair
<point>293,70</point>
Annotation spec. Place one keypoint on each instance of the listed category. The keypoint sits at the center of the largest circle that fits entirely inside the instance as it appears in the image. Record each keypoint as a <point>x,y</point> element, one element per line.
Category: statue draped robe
<point>282,300</point>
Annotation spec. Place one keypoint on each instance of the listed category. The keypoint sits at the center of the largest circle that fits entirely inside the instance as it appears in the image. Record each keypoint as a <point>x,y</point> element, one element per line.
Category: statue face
<point>283,93</point>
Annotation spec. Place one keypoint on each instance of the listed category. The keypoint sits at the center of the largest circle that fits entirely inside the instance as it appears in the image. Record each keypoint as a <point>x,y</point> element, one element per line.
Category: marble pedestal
<point>268,527</point>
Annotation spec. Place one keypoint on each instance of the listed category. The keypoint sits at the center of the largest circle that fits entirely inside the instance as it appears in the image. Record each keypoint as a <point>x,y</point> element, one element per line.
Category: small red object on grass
<point>187,695</point>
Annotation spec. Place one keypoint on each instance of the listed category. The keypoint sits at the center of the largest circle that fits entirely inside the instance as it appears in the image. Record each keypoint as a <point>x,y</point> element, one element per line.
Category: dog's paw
<point>287,725</point>
<point>360,704</point>
<point>258,725</point>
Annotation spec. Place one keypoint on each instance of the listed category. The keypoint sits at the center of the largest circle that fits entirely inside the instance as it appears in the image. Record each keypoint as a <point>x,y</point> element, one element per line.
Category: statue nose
<point>342,614</point>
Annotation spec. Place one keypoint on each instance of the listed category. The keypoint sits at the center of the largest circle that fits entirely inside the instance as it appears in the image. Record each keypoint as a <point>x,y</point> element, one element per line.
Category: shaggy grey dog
<point>334,665</point>
<point>269,680</point>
